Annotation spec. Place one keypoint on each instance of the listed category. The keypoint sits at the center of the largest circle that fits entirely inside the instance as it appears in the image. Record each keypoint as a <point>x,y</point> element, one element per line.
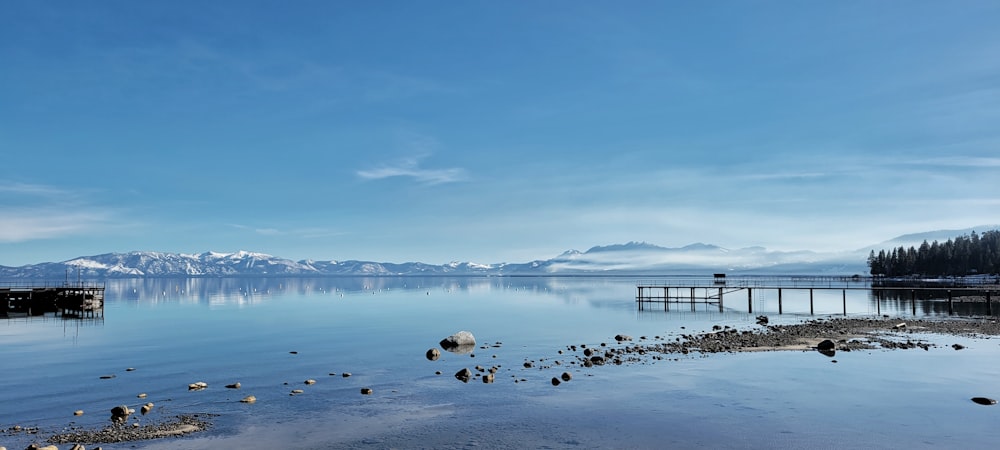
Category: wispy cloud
<point>36,211</point>
<point>306,233</point>
<point>410,167</point>
<point>959,161</point>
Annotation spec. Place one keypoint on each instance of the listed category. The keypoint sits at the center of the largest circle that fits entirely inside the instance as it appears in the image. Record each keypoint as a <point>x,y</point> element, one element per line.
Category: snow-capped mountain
<point>632,258</point>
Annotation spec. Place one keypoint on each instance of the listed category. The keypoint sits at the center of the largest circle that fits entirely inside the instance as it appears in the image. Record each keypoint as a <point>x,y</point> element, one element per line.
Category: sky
<point>487,131</point>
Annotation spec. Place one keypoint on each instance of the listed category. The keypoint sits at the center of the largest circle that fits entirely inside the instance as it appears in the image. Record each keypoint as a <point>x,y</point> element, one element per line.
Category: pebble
<point>297,391</point>
<point>555,381</point>
<point>310,381</point>
<point>142,395</point>
<point>107,377</point>
<point>366,391</point>
<point>197,386</point>
<point>249,399</point>
<point>78,412</point>
<point>566,376</point>
<point>346,374</point>
<point>235,385</point>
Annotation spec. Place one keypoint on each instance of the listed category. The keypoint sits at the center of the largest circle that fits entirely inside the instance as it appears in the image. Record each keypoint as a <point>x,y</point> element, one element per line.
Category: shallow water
<point>176,332</point>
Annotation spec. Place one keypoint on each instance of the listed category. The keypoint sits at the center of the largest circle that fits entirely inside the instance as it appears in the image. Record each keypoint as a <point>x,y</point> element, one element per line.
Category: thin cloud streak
<point>410,167</point>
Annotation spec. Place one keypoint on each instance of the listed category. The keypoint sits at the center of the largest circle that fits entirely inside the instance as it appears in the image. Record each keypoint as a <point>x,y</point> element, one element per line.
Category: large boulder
<point>461,342</point>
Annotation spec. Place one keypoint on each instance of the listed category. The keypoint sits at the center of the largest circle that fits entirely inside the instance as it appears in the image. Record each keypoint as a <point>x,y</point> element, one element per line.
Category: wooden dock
<point>720,288</point>
<point>67,300</point>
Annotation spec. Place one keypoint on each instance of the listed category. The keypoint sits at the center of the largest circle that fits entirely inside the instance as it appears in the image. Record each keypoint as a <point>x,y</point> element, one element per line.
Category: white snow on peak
<point>86,263</point>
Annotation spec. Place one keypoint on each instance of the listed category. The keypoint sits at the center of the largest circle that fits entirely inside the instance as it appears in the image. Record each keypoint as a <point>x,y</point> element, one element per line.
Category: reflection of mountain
<point>633,258</point>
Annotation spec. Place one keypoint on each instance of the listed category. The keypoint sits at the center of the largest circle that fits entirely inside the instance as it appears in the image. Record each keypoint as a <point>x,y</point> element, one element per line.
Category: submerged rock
<point>249,399</point>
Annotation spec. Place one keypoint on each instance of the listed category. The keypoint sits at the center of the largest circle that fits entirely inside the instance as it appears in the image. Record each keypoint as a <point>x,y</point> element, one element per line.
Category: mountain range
<point>633,258</point>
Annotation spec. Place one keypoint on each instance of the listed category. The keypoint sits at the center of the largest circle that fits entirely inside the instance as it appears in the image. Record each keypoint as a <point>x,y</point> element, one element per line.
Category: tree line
<point>964,255</point>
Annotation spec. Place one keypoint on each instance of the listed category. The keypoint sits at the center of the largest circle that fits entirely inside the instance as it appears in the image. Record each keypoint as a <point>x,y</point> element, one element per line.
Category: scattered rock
<point>142,395</point>
<point>433,354</point>
<point>197,386</point>
<point>107,377</point>
<point>488,378</point>
<point>984,401</point>
<point>119,414</point>
<point>899,326</point>
<point>622,337</point>
<point>294,352</point>
<point>78,412</point>
<point>366,391</point>
<point>464,375</point>
<point>346,374</point>
<point>297,391</point>
<point>826,344</point>
<point>146,408</point>
<point>762,320</point>
<point>310,381</point>
<point>566,376</point>
<point>957,346</point>
<point>235,385</point>
<point>249,399</point>
<point>555,381</point>
<point>461,342</point>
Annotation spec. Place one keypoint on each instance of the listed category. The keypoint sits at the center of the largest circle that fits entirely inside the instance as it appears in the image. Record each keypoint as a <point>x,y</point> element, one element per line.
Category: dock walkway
<point>716,289</point>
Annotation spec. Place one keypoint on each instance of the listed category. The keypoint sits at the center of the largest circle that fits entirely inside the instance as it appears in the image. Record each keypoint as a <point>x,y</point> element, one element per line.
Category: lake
<point>272,334</point>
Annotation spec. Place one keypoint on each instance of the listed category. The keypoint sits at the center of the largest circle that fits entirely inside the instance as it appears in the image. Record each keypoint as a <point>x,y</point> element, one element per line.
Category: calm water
<point>176,332</point>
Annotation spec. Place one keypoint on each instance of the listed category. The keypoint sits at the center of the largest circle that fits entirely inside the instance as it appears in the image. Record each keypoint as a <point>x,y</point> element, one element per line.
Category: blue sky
<point>491,131</point>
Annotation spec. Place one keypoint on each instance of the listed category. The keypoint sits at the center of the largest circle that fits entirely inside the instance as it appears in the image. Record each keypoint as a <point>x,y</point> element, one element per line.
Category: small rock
<point>623,337</point>
<point>957,346</point>
<point>78,447</point>
<point>146,408</point>
<point>346,374</point>
<point>899,326</point>
<point>555,381</point>
<point>310,381</point>
<point>235,385</point>
<point>826,345</point>
<point>464,375</point>
<point>142,395</point>
<point>433,354</point>
<point>566,376</point>
<point>107,377</point>
<point>294,352</point>
<point>120,414</point>
<point>78,412</point>
<point>984,401</point>
<point>249,399</point>
<point>488,378</point>
<point>366,391</point>
<point>197,386</point>
<point>762,320</point>
<point>297,391</point>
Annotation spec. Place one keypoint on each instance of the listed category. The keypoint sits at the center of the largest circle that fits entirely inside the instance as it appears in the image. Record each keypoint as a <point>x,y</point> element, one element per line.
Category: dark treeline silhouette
<point>964,255</point>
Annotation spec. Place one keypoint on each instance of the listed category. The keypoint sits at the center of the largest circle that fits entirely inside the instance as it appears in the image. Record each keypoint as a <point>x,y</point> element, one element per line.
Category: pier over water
<point>720,289</point>
<point>20,299</point>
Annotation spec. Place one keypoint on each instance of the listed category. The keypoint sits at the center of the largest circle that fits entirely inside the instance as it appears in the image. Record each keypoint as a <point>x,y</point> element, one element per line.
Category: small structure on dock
<point>66,300</point>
